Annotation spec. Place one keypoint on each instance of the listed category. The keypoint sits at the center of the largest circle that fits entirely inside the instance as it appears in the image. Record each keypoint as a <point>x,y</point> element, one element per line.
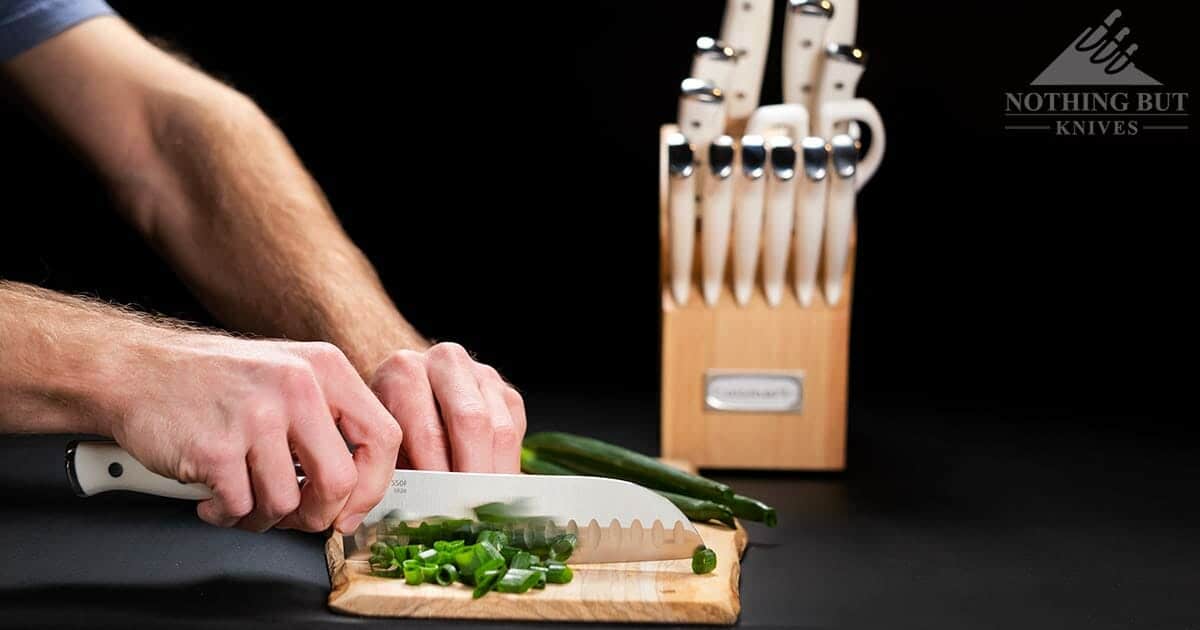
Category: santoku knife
<point>614,521</point>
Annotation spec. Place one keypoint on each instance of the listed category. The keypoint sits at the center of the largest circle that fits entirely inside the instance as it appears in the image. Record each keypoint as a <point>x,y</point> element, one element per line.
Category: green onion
<point>613,461</point>
<point>522,560</point>
<point>699,509</point>
<point>704,560</point>
<point>509,552</point>
<point>517,581</point>
<point>427,555</point>
<point>429,572</point>
<point>753,510</point>
<point>413,574</point>
<point>534,465</point>
<point>446,575</point>
<point>558,573</point>
<point>466,560</point>
<point>541,572</point>
<point>562,547</point>
<point>497,538</point>
<point>485,582</point>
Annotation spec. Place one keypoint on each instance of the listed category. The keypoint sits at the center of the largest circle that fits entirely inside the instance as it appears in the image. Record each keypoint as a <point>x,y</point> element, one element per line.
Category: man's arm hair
<point>63,356</point>
<point>209,180</point>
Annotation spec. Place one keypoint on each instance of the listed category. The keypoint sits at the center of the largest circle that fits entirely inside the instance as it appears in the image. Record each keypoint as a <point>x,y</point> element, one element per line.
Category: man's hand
<point>457,414</point>
<point>230,413</point>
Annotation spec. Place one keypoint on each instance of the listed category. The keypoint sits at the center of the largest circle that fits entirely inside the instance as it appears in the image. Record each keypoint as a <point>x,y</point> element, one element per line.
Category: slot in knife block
<point>755,340</point>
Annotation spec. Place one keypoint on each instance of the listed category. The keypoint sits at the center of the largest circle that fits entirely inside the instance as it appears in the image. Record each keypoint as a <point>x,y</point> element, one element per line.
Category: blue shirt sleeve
<point>27,23</point>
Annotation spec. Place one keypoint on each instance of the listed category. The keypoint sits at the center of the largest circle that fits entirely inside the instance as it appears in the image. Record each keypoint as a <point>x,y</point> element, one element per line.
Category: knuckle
<point>391,436</point>
<point>472,417</point>
<point>513,398</point>
<point>405,363</point>
<point>449,351</point>
<point>280,505</point>
<point>505,436</point>
<point>338,481</point>
<point>239,505</point>
<point>489,373</point>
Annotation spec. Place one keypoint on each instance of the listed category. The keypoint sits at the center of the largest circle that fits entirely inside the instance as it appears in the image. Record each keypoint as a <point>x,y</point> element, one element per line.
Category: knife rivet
<point>740,95</point>
<point>695,124</point>
<point>806,88</point>
<point>115,469</point>
<point>839,85</point>
<point>746,6</point>
<point>807,43</point>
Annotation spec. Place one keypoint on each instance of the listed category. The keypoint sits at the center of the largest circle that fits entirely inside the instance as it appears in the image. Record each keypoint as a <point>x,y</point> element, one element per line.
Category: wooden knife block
<point>698,339</point>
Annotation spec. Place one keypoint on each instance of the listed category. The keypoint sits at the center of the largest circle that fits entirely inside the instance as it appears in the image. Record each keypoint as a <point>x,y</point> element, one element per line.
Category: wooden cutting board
<point>655,592</point>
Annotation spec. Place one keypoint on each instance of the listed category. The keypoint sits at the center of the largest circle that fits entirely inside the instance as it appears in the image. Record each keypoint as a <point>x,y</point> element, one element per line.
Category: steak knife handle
<point>95,467</point>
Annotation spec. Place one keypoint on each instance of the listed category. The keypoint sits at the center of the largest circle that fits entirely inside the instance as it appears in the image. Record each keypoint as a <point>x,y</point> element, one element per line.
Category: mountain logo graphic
<point>1101,55</point>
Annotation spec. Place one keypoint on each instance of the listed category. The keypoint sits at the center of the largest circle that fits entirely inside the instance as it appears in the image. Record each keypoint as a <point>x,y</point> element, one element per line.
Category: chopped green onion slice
<point>446,575</point>
<point>558,573</point>
<point>517,581</point>
<point>428,555</point>
<point>413,575</point>
<point>428,572</point>
<point>485,581</point>
<point>522,560</point>
<point>562,547</point>
<point>704,560</point>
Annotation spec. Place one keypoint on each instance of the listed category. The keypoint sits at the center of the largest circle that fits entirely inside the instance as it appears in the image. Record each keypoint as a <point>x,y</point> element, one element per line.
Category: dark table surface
<point>949,519</point>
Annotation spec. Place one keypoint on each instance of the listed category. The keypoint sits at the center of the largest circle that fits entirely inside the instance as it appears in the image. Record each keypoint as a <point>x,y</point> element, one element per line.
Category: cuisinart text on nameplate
<point>754,392</point>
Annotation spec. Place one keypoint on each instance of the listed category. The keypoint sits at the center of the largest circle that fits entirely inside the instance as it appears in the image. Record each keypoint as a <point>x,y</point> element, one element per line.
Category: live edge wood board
<point>645,592</point>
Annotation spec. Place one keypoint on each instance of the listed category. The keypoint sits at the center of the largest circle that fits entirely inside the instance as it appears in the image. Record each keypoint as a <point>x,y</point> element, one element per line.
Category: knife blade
<point>614,521</point>
<point>746,27</point>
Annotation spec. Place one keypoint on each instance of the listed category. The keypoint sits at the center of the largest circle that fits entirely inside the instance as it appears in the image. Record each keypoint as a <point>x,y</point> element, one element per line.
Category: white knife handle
<point>803,47</point>
<point>716,213</point>
<point>843,67</point>
<point>749,195</point>
<point>95,467</point>
<point>793,117</point>
<point>714,61</point>
<point>811,191</point>
<point>841,215</point>
<point>843,27</point>
<point>747,28</point>
<point>681,214</point>
<point>780,215</point>
<point>863,111</point>
<point>701,111</point>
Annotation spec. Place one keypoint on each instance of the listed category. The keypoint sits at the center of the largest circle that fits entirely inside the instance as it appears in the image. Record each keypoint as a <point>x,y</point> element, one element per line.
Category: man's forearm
<point>61,358</point>
<point>210,181</point>
<point>252,234</point>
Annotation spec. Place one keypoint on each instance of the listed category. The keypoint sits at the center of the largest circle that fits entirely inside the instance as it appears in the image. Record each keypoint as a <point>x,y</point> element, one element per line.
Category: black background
<point>1020,452</point>
<point>497,162</point>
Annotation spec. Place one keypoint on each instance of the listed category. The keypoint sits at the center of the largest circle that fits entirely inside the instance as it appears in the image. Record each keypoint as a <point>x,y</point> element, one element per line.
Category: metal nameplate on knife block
<point>754,385</point>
